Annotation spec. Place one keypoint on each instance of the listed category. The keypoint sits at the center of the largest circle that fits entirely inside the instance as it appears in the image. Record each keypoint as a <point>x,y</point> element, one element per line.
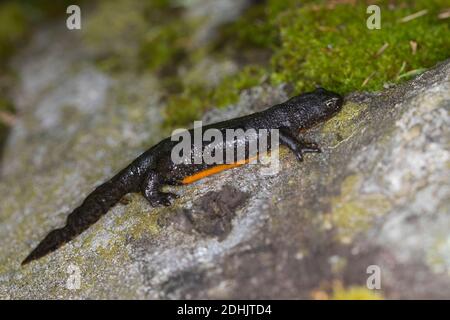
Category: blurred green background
<point>301,43</point>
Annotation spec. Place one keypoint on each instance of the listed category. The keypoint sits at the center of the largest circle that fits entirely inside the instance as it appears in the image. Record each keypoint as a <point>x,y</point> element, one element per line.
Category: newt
<point>154,168</point>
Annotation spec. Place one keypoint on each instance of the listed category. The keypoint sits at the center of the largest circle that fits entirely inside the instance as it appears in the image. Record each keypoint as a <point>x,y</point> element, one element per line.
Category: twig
<point>368,79</point>
<point>382,49</point>
<point>413,46</point>
<point>7,118</point>
<point>444,14</point>
<point>412,73</point>
<point>414,16</point>
<point>402,68</point>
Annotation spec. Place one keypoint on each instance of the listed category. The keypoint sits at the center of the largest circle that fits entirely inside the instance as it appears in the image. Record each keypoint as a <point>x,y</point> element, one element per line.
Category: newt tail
<point>90,211</point>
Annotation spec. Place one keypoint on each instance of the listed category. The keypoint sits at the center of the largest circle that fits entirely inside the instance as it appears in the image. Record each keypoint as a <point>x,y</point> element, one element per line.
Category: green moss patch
<point>331,45</point>
<point>184,108</point>
<point>324,43</point>
<point>18,17</point>
<point>135,35</point>
<point>13,27</point>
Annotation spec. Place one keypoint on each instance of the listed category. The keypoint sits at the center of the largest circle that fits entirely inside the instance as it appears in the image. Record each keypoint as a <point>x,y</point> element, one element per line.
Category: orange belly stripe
<point>210,171</point>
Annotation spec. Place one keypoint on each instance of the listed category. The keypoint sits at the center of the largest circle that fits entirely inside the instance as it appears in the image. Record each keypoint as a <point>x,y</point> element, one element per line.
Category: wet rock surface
<point>377,195</point>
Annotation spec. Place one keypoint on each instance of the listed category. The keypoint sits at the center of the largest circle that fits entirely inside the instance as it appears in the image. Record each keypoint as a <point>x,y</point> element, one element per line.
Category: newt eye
<point>331,102</point>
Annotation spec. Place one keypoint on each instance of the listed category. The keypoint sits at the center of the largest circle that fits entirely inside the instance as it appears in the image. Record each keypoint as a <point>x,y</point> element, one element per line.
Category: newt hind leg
<point>151,190</point>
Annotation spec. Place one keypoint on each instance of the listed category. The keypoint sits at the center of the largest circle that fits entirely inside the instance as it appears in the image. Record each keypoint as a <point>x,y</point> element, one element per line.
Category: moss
<point>132,34</point>
<point>114,31</point>
<point>146,222</point>
<point>228,91</point>
<point>167,45</point>
<point>13,27</point>
<point>338,51</point>
<point>18,17</point>
<point>257,27</point>
<point>182,109</point>
<point>354,293</point>
<point>353,212</point>
<point>242,35</point>
<point>337,291</point>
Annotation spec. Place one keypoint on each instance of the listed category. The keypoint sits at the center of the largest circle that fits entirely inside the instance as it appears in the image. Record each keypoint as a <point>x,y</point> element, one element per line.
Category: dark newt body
<point>154,168</point>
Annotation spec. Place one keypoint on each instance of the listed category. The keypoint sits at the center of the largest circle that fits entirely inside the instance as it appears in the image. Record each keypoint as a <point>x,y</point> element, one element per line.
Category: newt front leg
<point>297,146</point>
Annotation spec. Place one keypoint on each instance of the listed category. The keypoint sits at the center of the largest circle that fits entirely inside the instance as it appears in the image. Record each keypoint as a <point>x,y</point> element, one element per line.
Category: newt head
<point>324,104</point>
<point>314,107</point>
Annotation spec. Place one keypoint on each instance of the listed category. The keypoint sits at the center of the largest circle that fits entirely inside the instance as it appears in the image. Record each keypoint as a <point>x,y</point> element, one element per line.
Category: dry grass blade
<point>444,14</point>
<point>368,79</point>
<point>382,49</point>
<point>414,16</point>
<point>7,118</point>
<point>413,46</point>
